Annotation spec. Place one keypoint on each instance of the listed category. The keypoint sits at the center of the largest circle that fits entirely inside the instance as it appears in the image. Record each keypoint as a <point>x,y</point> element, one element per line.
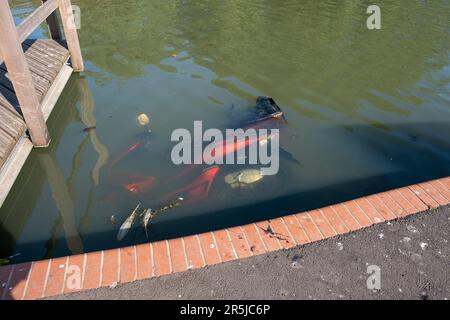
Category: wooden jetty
<point>33,73</point>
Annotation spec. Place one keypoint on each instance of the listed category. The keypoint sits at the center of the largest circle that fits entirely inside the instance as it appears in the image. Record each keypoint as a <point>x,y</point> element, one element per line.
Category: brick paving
<point>110,267</point>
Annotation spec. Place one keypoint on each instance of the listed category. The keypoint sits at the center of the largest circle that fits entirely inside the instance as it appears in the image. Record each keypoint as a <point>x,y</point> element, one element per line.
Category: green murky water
<point>367,111</point>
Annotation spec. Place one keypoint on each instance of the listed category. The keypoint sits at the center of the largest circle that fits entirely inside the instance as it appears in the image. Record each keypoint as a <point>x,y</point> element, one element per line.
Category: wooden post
<point>20,76</point>
<point>53,25</point>
<point>70,31</point>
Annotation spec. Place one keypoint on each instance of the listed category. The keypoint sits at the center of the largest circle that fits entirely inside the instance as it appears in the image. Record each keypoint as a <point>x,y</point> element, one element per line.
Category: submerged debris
<point>126,226</point>
<point>4,261</point>
<point>143,119</point>
<point>175,203</point>
<point>89,129</point>
<point>147,216</point>
<point>113,219</point>
<point>244,178</point>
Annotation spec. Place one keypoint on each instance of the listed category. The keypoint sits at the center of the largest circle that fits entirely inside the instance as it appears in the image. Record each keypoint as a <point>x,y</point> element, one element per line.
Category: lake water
<point>367,111</point>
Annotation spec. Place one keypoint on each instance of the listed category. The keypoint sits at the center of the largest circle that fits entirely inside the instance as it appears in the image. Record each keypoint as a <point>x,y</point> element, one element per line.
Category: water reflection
<point>316,56</point>
<point>44,176</point>
<point>87,116</point>
<point>367,111</point>
<point>63,201</point>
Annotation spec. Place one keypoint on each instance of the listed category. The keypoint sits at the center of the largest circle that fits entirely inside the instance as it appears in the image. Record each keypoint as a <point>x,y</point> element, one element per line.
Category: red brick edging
<point>107,268</point>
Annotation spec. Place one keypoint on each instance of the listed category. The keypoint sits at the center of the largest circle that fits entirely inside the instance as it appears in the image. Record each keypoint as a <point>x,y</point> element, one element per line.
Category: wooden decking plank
<point>4,80</point>
<point>39,77</point>
<point>10,123</point>
<point>58,47</point>
<point>49,101</point>
<point>40,85</point>
<point>43,67</point>
<point>36,69</point>
<point>41,62</point>
<point>43,51</point>
<point>4,149</point>
<point>12,166</point>
<point>49,48</point>
<point>40,67</point>
<point>3,101</point>
<point>12,128</point>
<point>50,64</point>
<point>5,96</point>
<point>7,136</point>
<point>51,45</point>
<point>9,96</point>
<point>7,106</point>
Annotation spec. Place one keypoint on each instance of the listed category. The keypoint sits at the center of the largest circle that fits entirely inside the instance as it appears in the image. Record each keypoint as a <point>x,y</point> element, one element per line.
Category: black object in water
<point>267,106</point>
<point>264,109</point>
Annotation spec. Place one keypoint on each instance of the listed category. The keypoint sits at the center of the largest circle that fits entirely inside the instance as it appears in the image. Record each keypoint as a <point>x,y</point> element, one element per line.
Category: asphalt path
<point>405,259</point>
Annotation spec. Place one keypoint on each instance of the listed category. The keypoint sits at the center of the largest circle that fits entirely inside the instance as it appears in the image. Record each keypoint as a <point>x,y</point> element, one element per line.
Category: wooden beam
<point>35,19</point>
<point>57,87</point>
<point>45,11</point>
<point>20,76</point>
<point>13,165</point>
<point>70,31</point>
<point>53,25</point>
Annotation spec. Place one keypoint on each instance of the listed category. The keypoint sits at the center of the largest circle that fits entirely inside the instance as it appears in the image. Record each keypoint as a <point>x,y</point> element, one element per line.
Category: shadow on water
<point>416,156</point>
<point>43,169</point>
<point>18,209</point>
<point>6,243</point>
